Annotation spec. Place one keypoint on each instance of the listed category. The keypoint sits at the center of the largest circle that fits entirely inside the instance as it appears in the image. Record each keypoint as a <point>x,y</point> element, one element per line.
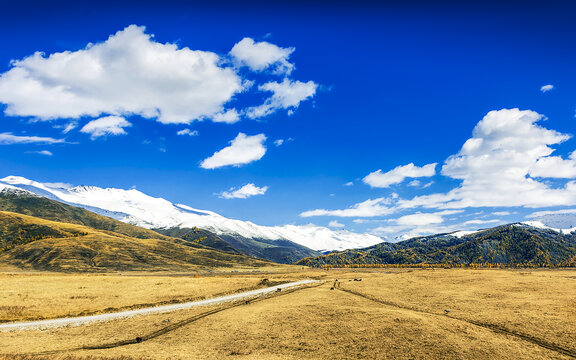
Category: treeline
<point>569,264</point>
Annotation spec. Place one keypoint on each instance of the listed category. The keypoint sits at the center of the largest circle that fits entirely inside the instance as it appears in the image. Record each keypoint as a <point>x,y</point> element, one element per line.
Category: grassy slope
<point>72,247</point>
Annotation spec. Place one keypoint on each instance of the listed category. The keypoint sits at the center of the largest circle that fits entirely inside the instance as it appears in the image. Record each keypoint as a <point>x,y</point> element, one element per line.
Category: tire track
<point>182,323</point>
<point>82,320</point>
<point>494,328</point>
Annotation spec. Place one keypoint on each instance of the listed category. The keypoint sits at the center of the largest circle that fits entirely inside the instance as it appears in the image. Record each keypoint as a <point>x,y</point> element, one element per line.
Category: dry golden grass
<point>46,296</point>
<point>78,248</point>
<point>319,323</point>
<point>538,303</point>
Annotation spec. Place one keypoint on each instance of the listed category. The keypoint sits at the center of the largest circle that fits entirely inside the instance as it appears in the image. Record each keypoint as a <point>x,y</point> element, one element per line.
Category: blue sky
<point>352,89</point>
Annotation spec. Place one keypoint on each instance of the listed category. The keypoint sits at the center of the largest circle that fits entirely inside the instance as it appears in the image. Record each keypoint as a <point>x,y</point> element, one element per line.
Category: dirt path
<point>76,321</point>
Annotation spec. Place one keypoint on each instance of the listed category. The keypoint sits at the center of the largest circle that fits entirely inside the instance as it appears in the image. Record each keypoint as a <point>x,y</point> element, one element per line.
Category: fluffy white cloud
<point>129,73</point>
<point>546,88</point>
<point>335,224</point>
<point>9,139</point>
<point>132,74</point>
<point>495,163</point>
<point>502,213</point>
<point>495,166</point>
<point>555,167</point>
<point>109,125</point>
<point>229,117</point>
<point>285,95</point>
<point>187,132</point>
<point>368,208</point>
<point>397,175</point>
<point>259,56</point>
<point>243,149</point>
<point>244,192</point>
<point>481,222</point>
<point>419,219</point>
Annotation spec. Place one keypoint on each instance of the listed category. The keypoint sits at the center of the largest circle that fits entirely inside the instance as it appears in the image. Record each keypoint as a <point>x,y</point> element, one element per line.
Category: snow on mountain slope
<point>541,225</point>
<point>137,208</point>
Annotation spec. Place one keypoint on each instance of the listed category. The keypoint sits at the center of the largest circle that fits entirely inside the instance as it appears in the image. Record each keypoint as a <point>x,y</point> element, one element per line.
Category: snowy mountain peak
<point>84,188</point>
<point>137,208</point>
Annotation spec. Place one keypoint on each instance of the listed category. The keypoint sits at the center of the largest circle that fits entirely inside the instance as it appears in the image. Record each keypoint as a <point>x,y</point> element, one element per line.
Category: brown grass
<point>45,296</point>
<point>398,315</point>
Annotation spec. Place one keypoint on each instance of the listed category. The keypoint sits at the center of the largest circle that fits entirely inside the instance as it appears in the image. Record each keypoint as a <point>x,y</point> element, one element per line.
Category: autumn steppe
<point>389,314</point>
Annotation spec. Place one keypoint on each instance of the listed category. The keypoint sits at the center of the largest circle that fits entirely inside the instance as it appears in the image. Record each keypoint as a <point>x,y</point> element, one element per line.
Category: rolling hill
<point>31,242</point>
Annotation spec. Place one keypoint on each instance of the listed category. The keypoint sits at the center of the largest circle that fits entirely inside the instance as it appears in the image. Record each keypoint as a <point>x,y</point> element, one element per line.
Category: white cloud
<point>45,152</point>
<point>419,219</point>
<point>501,213</point>
<point>243,149</point>
<point>368,208</point>
<point>229,117</point>
<point>552,212</point>
<point>481,222</point>
<point>127,74</point>
<point>350,183</point>
<point>259,56</point>
<point>67,127</point>
<point>9,139</point>
<point>285,95</point>
<point>397,175</point>
<point>244,192</point>
<point>546,88</point>
<point>493,165</point>
<point>554,167</point>
<point>280,142</point>
<point>187,132</point>
<point>335,224</point>
<point>109,125</point>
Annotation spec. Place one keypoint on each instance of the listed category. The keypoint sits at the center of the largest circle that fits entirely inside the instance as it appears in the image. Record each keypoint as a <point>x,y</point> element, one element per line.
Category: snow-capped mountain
<point>137,208</point>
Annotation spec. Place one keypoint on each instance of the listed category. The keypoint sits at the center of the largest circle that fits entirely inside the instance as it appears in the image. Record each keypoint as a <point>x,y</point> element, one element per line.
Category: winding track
<point>82,320</point>
<point>492,327</point>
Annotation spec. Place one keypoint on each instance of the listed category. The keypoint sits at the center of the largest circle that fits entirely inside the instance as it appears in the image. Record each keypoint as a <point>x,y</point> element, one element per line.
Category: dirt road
<point>76,321</point>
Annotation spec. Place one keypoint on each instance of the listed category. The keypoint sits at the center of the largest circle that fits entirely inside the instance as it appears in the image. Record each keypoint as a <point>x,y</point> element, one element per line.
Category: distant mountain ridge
<point>137,208</point>
<point>512,244</point>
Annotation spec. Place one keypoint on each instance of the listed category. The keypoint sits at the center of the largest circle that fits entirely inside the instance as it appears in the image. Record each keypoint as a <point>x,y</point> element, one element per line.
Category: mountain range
<point>546,240</point>
<point>136,208</point>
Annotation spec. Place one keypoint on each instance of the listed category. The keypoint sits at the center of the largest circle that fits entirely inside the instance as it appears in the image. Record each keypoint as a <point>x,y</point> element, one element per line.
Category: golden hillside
<point>31,242</point>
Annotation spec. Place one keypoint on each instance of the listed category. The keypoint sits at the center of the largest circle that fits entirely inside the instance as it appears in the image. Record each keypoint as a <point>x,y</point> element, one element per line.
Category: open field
<point>398,314</point>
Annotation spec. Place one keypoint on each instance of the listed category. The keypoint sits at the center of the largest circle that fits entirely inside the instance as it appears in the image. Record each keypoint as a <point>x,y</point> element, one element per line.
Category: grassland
<point>390,314</point>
